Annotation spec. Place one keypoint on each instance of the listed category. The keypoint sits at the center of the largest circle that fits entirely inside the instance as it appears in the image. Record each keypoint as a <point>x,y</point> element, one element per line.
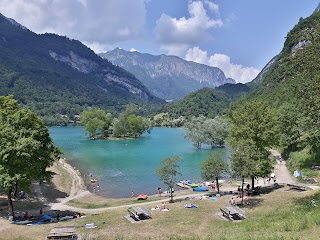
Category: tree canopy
<point>203,130</point>
<point>253,131</point>
<point>26,148</point>
<point>214,167</point>
<point>96,121</point>
<point>167,172</point>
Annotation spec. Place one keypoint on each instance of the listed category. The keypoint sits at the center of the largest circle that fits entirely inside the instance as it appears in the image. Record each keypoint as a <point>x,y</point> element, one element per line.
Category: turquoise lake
<point>122,166</point>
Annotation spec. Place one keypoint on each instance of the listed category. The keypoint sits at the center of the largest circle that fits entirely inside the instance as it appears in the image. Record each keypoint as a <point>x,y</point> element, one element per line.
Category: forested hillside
<point>290,87</point>
<point>54,75</point>
<point>207,101</point>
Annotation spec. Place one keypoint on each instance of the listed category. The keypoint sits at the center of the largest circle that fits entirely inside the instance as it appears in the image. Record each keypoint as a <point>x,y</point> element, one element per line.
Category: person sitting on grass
<point>245,199</point>
<point>232,201</point>
<point>26,216</point>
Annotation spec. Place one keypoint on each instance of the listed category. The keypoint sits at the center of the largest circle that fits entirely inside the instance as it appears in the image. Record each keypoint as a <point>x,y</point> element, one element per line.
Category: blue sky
<point>239,36</point>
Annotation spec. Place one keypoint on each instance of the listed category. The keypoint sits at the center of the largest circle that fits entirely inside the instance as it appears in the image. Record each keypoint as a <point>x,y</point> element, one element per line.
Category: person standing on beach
<point>132,194</point>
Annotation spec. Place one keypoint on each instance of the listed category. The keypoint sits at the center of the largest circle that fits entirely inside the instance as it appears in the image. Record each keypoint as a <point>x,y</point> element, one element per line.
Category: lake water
<point>122,166</point>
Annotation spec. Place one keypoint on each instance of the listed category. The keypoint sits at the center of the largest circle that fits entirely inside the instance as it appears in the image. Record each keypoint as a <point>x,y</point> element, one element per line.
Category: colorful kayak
<point>193,185</point>
<point>200,189</point>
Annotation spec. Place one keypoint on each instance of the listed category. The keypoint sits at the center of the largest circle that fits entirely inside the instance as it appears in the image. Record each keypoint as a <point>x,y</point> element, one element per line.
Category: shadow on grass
<point>51,193</point>
<point>269,189</point>
<point>37,197</point>
<point>252,203</point>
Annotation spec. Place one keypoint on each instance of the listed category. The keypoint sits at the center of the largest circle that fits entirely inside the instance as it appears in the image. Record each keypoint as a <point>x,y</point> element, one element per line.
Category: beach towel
<point>46,217</point>
<point>190,206</point>
<point>90,225</point>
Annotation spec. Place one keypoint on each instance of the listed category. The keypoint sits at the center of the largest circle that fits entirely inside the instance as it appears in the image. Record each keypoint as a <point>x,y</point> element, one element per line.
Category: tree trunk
<point>15,190</point>
<point>242,190</point>
<point>10,205</point>
<point>217,182</point>
<point>171,193</point>
<point>252,183</point>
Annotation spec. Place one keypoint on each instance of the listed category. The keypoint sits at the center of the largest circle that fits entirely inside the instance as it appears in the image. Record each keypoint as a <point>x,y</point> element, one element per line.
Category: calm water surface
<point>123,166</point>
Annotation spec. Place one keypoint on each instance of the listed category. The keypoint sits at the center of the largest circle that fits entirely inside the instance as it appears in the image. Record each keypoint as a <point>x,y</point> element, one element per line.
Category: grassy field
<point>275,214</point>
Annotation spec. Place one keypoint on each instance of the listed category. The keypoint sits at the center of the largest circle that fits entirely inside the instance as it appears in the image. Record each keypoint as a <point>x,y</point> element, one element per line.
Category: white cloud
<point>236,71</point>
<point>177,35</point>
<point>96,22</point>
<point>212,6</point>
<point>96,46</point>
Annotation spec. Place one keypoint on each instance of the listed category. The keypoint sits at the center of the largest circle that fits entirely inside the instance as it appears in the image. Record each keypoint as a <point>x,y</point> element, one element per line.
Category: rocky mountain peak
<point>168,77</point>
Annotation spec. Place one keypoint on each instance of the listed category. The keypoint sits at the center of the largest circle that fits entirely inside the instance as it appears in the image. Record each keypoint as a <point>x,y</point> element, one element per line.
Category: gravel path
<point>281,171</point>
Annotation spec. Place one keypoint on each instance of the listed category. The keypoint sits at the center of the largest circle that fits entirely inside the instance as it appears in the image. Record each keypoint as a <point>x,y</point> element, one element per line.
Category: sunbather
<point>232,201</point>
<point>161,206</point>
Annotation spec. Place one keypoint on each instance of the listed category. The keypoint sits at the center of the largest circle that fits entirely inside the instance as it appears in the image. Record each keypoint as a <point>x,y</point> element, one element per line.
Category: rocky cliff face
<point>167,77</point>
<point>88,66</point>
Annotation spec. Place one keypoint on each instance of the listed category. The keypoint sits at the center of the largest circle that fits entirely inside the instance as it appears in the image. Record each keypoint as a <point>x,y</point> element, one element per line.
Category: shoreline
<point>78,188</point>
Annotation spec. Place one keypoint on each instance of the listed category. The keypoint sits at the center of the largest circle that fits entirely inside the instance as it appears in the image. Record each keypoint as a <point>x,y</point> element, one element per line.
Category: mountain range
<point>167,77</point>
<point>53,74</point>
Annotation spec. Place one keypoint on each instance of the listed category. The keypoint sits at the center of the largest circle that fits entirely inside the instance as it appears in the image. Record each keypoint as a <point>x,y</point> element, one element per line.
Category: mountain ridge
<point>53,74</point>
<point>166,76</point>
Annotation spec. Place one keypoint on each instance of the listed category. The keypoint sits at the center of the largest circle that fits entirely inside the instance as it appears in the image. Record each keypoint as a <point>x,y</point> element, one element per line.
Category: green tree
<point>291,126</point>
<point>96,122</point>
<point>217,131</point>
<point>129,124</point>
<point>214,167</point>
<point>309,106</point>
<point>167,172</point>
<point>253,130</point>
<point>26,148</point>
<point>195,130</point>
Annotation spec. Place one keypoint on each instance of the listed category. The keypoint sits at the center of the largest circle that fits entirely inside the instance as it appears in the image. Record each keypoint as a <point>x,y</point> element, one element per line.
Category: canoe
<point>193,185</point>
<point>93,180</point>
<point>142,196</point>
<point>200,189</point>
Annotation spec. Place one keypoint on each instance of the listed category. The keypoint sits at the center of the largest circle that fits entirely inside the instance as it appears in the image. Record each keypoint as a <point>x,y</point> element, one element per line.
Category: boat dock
<point>183,185</point>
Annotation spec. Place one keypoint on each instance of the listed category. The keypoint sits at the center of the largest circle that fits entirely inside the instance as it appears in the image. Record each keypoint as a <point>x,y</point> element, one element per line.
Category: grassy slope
<point>280,214</point>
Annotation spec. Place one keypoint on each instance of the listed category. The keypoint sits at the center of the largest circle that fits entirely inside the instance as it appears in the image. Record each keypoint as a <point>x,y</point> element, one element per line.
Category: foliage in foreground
<point>214,167</point>
<point>167,172</point>
<point>253,131</point>
<point>26,148</point>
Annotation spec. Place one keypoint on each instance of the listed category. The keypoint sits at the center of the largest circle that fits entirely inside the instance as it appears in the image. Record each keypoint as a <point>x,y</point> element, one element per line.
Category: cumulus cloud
<point>97,22</point>
<point>212,6</point>
<point>236,71</point>
<point>177,35</point>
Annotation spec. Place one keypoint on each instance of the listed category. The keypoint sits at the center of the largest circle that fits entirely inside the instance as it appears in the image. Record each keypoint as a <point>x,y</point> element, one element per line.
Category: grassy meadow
<point>278,213</point>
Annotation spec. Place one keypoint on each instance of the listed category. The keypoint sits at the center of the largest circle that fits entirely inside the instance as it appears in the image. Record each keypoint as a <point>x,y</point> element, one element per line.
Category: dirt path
<point>281,171</point>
